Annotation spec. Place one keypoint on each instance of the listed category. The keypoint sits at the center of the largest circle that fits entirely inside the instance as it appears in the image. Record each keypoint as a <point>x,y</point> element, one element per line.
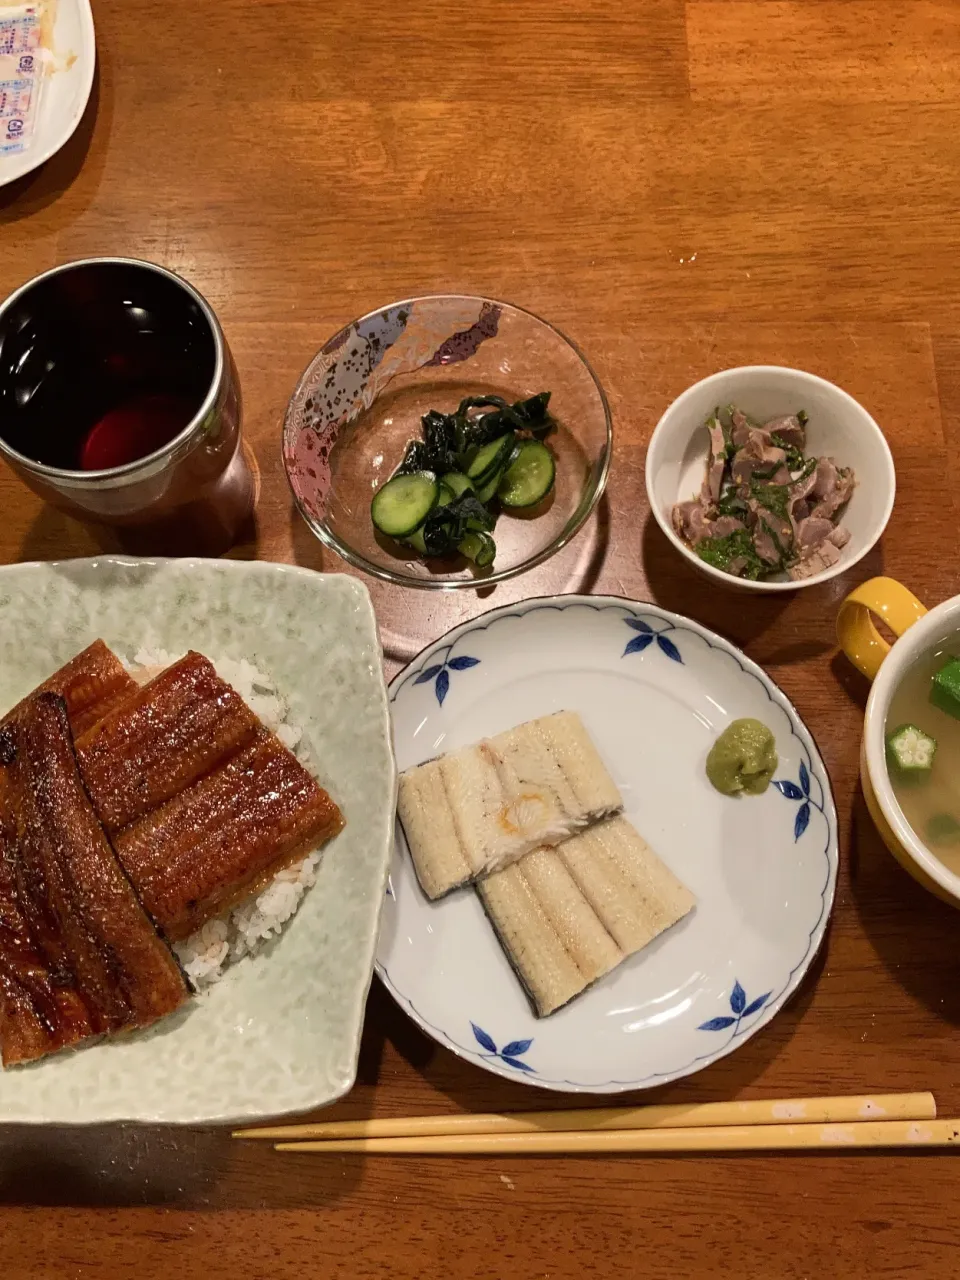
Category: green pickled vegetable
<point>471,452</point>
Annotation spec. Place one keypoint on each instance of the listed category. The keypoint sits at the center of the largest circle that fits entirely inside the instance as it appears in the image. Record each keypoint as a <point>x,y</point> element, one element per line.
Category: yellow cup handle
<point>859,638</point>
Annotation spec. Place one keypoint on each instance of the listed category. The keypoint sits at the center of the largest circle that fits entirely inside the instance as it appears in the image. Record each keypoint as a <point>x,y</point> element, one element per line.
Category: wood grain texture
<point>681,187</point>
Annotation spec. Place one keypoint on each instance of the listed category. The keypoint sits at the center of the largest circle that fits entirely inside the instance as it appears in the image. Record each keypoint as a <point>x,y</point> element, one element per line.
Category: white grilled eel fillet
<point>480,808</point>
<point>566,916</point>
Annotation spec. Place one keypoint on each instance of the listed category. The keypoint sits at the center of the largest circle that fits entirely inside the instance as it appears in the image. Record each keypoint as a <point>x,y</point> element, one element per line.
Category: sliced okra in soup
<point>910,751</point>
<point>945,688</point>
<point>943,828</point>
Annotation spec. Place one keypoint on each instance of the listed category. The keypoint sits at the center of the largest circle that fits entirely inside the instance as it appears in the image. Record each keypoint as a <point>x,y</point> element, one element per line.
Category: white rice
<point>244,929</point>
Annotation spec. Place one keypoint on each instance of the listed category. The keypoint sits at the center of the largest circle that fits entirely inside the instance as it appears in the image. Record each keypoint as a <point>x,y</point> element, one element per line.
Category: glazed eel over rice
<point>176,821</point>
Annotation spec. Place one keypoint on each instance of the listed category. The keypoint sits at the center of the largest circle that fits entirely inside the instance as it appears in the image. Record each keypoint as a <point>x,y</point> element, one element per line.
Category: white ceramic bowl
<point>839,427</point>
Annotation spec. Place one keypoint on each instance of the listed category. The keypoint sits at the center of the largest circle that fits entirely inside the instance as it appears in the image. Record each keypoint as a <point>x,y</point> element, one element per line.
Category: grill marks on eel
<point>225,837</point>
<point>161,739</point>
<point>203,803</point>
<point>203,806</point>
<point>78,955</point>
<point>91,685</point>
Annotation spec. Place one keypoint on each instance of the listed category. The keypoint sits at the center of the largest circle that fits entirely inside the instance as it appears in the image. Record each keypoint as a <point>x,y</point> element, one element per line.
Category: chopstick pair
<point>881,1120</point>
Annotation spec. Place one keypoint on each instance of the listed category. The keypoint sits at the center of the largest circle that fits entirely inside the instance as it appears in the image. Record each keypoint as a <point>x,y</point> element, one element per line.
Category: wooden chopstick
<point>912,1134</point>
<point>864,1107</point>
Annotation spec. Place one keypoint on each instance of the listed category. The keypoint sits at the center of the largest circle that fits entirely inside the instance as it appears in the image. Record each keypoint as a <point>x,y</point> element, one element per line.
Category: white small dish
<point>280,1032</point>
<point>839,427</point>
<point>69,42</point>
<point>654,689</point>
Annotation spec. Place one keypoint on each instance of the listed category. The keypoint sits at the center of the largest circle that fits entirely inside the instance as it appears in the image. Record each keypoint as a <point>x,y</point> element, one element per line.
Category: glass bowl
<point>362,397</point>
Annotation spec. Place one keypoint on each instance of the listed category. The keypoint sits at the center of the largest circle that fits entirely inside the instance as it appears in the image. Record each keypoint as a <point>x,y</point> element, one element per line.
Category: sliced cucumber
<point>489,490</point>
<point>404,502</point>
<point>490,458</point>
<point>444,497</point>
<point>457,483</point>
<point>529,477</point>
<point>478,547</point>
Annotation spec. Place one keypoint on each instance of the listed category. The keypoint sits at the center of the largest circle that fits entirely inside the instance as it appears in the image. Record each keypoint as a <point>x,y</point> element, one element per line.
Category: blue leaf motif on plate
<point>738,998</point>
<point>442,686</point>
<point>789,789</point>
<point>440,673</point>
<point>669,648</point>
<point>637,644</point>
<point>647,635</point>
<point>716,1024</point>
<point>514,1047</point>
<point>754,1005</point>
<point>483,1039</point>
<point>802,821</point>
<point>802,795</point>
<point>741,1010</point>
<point>463,663</point>
<point>509,1054</point>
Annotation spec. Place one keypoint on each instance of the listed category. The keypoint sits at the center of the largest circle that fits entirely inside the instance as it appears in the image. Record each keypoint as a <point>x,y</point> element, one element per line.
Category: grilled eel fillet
<point>202,803</point>
<point>91,684</point>
<point>225,837</point>
<point>78,955</point>
<point>161,739</point>
<point>566,916</point>
<point>483,807</point>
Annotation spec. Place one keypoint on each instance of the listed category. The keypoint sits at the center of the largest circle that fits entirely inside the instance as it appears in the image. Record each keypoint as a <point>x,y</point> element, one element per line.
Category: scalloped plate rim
<point>770,1007</point>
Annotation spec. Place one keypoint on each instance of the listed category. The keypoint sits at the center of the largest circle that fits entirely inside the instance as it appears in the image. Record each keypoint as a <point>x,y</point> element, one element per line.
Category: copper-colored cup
<point>122,319</point>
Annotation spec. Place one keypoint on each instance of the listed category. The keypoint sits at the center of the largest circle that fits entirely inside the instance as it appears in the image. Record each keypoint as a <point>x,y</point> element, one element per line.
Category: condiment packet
<point>21,73</point>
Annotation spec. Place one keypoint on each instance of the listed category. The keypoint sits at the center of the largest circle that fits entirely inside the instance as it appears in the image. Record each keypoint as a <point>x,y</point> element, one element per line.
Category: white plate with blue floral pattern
<point>654,689</point>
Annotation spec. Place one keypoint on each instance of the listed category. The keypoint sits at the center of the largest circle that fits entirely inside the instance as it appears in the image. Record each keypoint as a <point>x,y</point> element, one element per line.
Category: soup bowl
<point>920,632</point>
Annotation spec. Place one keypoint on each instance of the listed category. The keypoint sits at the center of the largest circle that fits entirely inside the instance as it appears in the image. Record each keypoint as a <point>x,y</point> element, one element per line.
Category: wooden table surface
<point>681,187</point>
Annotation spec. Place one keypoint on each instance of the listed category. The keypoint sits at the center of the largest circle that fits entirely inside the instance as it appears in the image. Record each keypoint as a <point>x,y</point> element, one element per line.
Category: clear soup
<point>931,800</point>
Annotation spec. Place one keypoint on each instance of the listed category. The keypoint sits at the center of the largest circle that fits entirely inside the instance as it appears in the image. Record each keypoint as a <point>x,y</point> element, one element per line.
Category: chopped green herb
<point>722,552</point>
<point>795,459</point>
<point>772,497</point>
<point>783,554</point>
<point>803,417</point>
<point>731,504</point>
<point>729,448</point>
